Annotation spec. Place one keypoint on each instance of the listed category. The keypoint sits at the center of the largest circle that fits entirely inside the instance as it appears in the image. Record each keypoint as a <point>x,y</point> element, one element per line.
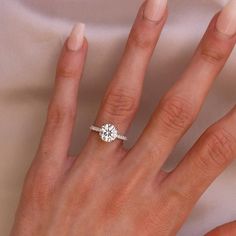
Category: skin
<point>108,190</point>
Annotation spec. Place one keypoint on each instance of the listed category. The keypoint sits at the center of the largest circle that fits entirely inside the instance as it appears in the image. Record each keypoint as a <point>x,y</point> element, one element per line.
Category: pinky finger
<point>205,161</point>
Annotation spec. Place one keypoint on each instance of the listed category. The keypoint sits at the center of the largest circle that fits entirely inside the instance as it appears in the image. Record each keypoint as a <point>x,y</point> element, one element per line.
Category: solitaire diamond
<point>108,133</point>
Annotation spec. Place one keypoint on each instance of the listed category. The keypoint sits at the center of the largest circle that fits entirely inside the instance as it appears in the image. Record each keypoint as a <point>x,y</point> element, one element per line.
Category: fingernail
<point>226,22</point>
<point>154,9</point>
<point>76,38</point>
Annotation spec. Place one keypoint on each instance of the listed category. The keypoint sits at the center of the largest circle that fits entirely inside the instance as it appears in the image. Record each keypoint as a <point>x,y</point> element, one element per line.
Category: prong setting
<point>108,133</point>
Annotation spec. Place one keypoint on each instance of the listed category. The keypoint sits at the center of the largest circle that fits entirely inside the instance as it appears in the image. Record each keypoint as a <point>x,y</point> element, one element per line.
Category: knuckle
<point>120,104</point>
<point>177,198</point>
<point>39,185</point>
<point>219,149</point>
<point>67,71</point>
<point>59,114</point>
<point>176,113</point>
<point>212,54</point>
<point>153,153</point>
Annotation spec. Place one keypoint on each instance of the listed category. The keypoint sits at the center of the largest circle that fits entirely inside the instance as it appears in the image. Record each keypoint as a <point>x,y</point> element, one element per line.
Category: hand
<point>106,189</point>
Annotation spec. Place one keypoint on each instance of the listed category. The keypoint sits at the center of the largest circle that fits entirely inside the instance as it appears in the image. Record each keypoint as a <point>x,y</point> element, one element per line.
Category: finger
<point>212,153</point>
<point>62,109</point>
<point>122,97</point>
<point>180,106</point>
<point>224,230</point>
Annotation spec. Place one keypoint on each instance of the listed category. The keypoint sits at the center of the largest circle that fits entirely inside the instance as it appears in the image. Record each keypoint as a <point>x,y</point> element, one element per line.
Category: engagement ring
<point>108,133</point>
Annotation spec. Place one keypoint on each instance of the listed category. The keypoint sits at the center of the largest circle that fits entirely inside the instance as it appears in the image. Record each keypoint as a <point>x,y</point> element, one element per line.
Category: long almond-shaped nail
<point>76,38</point>
<point>226,22</point>
<point>155,9</point>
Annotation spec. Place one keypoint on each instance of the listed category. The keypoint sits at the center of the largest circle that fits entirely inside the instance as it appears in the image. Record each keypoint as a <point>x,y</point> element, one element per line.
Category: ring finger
<point>122,97</point>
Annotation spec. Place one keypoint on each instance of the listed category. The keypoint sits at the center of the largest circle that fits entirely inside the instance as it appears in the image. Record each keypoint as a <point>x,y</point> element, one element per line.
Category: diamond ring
<point>108,133</point>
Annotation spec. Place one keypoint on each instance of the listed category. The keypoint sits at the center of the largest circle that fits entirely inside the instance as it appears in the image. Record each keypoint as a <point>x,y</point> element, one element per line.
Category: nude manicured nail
<point>76,38</point>
<point>226,22</point>
<point>154,9</point>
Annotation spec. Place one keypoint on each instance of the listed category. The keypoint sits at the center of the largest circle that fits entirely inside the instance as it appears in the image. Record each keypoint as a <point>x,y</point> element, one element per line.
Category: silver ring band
<point>108,133</point>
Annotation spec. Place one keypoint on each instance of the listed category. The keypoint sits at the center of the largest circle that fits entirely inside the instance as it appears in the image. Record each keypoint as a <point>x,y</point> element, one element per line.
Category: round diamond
<point>108,133</point>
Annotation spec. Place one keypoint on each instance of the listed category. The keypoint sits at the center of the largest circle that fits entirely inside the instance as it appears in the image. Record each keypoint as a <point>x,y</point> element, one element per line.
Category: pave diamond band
<point>108,133</point>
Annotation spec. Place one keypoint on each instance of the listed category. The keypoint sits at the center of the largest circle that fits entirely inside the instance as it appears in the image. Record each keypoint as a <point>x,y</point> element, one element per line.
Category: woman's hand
<point>106,189</point>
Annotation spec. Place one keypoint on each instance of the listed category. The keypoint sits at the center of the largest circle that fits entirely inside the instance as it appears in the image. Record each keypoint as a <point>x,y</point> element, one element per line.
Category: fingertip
<point>70,63</point>
<point>213,28</point>
<point>76,37</point>
<point>154,10</point>
<point>226,22</point>
<point>85,44</point>
<point>146,17</point>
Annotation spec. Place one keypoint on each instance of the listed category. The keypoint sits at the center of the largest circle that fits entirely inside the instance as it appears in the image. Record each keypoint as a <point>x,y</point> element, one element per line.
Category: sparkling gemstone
<point>108,133</point>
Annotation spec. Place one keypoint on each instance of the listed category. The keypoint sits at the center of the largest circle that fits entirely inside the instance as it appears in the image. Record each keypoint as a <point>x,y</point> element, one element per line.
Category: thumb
<point>224,230</point>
